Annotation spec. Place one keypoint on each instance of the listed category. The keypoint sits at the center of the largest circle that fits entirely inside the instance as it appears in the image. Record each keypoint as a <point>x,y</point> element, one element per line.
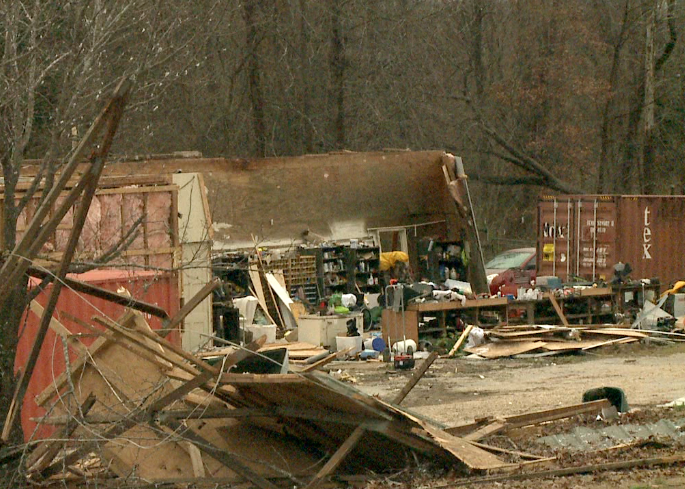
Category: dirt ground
<point>455,391</point>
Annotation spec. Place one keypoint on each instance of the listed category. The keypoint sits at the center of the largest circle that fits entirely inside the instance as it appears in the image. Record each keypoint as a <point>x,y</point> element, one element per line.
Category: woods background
<point>536,96</point>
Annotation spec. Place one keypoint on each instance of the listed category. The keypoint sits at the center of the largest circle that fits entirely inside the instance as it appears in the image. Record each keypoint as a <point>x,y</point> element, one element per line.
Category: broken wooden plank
<point>416,376</point>
<point>616,332</point>
<point>337,458</point>
<point>496,426</point>
<point>490,448</point>
<point>584,469</point>
<point>472,456</point>
<point>464,335</point>
<point>229,460</point>
<point>499,350</point>
<point>188,307</point>
<point>44,454</point>
<point>538,417</point>
<point>611,342</point>
<point>100,293</point>
<point>557,308</point>
<point>195,459</point>
<point>59,328</point>
<point>326,360</point>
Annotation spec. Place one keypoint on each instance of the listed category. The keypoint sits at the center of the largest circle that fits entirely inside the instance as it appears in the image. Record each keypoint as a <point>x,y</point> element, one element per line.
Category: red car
<point>510,270</point>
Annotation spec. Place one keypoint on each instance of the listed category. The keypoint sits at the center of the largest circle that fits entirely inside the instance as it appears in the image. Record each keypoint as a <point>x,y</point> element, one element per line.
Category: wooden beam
<point>326,360</point>
<point>227,459</point>
<point>584,469</point>
<point>188,307</point>
<point>101,293</point>
<point>333,462</point>
<point>464,335</point>
<point>487,430</point>
<point>557,413</point>
<point>46,452</point>
<point>416,376</point>
<point>59,328</point>
<point>557,308</point>
<point>529,419</point>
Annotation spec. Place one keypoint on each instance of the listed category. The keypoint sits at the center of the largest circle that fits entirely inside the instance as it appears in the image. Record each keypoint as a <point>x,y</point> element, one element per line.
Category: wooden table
<point>593,299</point>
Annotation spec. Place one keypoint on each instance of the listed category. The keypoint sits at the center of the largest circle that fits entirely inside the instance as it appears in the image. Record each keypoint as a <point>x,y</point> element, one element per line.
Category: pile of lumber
<point>509,341</point>
<point>147,410</point>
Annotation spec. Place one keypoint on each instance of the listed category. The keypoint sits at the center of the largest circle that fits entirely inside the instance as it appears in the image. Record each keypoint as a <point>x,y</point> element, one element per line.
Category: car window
<point>508,259</point>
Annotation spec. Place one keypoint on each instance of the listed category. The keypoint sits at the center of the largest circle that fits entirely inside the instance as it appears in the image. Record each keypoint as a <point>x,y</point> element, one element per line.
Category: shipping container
<point>586,235</point>
<point>159,289</point>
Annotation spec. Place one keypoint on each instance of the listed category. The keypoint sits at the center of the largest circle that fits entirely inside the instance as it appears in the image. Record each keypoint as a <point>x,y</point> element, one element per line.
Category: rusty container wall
<point>595,237</point>
<point>650,236</point>
<point>605,230</point>
<point>555,230</point>
<point>159,289</point>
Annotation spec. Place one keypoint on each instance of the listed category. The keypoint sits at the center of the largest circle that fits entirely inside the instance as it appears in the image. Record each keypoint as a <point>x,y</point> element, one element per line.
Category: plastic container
<point>258,330</point>
<point>367,354</point>
<point>403,346</point>
<point>375,343</point>
<point>345,342</point>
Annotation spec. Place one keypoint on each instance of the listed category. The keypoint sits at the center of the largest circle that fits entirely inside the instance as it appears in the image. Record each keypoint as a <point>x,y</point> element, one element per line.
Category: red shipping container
<point>159,289</point>
<point>586,235</point>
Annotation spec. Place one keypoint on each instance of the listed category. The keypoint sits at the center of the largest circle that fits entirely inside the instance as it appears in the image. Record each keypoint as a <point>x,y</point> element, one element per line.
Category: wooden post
<point>416,376</point>
<point>337,457</point>
<point>557,308</point>
<point>188,307</point>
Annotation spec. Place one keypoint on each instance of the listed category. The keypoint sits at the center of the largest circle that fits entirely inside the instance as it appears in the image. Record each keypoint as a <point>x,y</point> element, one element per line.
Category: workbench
<point>585,306</point>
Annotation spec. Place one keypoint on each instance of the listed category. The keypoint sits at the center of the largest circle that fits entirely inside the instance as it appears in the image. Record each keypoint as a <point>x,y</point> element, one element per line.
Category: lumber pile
<point>509,341</point>
<point>147,410</point>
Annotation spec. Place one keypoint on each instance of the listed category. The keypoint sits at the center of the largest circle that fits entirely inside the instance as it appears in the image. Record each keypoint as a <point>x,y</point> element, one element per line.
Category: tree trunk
<point>337,65</point>
<point>306,125</point>
<point>648,113</point>
<point>603,169</point>
<point>254,77</point>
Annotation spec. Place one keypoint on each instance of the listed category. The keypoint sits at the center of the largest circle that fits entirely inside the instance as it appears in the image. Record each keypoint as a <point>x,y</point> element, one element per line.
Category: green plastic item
<point>341,310</point>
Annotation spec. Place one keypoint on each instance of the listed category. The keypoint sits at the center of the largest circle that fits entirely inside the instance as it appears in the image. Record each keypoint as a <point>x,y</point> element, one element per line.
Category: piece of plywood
<point>616,332</point>
<point>505,349</point>
<point>474,457</point>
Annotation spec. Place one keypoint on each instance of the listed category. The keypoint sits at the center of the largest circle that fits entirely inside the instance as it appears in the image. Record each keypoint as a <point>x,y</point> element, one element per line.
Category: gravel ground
<point>456,391</point>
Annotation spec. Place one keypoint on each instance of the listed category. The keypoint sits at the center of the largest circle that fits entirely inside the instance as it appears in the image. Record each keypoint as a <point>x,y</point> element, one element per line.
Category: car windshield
<point>508,259</point>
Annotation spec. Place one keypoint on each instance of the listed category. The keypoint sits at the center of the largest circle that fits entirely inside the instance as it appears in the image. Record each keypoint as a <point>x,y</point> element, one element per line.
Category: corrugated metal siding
<point>640,230</point>
<point>159,289</point>
<point>650,238</point>
<point>555,231</point>
<point>595,237</point>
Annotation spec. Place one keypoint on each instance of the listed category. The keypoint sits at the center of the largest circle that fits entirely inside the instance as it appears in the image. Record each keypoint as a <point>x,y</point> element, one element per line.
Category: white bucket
<point>345,342</point>
<point>259,330</point>
<point>403,346</point>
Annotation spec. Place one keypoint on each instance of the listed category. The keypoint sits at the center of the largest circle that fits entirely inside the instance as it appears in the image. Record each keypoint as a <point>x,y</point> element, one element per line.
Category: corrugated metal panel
<point>595,237</point>
<point>159,289</point>
<point>650,238</point>
<point>640,230</point>
<point>555,231</point>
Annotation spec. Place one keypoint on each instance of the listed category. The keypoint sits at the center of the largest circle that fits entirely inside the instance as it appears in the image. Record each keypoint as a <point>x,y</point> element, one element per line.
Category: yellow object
<point>676,287</point>
<point>389,259</point>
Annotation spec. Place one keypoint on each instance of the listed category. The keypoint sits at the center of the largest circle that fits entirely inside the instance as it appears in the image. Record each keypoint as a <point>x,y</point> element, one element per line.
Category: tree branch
<point>509,181</point>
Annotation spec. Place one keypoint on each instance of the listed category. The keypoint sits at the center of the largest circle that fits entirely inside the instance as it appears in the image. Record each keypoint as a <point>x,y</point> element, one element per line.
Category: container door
<point>594,240</point>
<point>555,231</point>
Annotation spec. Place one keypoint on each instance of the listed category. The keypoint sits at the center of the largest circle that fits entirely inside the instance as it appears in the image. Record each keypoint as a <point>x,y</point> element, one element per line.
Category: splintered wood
<point>153,412</point>
<point>508,341</point>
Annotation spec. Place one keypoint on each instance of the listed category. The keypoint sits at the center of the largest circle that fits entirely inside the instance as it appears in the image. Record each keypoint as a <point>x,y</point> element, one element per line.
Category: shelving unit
<point>364,265</point>
<point>442,258</point>
<point>341,267</point>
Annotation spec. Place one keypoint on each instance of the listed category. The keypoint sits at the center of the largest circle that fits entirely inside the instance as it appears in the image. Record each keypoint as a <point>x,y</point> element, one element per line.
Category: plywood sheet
<point>505,349</point>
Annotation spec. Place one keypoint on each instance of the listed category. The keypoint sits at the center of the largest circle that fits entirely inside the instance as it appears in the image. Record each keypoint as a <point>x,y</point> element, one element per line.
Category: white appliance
<point>322,330</point>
